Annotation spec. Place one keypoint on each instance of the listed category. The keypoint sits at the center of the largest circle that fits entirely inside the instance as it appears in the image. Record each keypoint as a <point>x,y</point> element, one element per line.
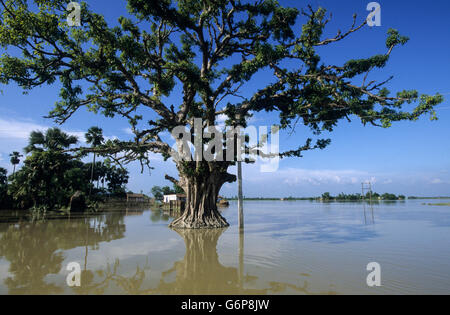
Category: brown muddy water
<point>297,247</point>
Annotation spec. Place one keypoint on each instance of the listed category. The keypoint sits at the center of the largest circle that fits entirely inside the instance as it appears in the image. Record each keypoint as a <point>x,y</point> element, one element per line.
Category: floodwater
<point>297,247</point>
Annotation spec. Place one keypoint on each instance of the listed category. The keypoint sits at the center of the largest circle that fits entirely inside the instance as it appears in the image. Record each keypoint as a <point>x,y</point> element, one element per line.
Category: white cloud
<point>14,129</point>
<point>220,121</point>
<point>437,181</point>
<point>222,118</point>
<point>128,131</point>
<point>155,157</point>
<point>20,130</point>
<point>296,176</point>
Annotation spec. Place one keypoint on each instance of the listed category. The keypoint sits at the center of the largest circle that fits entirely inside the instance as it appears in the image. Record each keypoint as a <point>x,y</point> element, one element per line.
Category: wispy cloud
<point>128,131</point>
<point>294,176</point>
<point>300,176</point>
<point>437,181</point>
<point>15,129</point>
<point>220,121</point>
<point>20,130</point>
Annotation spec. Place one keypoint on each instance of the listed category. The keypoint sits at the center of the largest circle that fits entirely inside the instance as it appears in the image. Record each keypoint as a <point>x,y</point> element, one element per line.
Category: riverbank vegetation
<point>327,197</point>
<point>358,197</point>
<point>51,178</point>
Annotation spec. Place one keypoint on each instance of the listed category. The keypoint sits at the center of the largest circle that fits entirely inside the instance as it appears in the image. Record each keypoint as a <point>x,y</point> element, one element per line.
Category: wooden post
<point>240,197</point>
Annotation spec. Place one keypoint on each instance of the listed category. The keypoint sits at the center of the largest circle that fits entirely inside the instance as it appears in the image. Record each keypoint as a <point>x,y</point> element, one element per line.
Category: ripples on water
<point>297,247</point>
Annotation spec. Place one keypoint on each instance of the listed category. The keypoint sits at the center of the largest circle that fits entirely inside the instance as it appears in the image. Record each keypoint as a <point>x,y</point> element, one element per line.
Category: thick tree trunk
<point>201,209</point>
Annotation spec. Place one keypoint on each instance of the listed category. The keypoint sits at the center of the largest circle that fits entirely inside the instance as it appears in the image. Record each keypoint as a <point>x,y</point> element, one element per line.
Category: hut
<point>174,202</point>
<point>135,198</point>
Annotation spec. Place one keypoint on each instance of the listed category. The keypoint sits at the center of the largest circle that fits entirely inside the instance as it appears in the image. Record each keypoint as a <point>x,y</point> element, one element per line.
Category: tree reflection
<point>159,215</point>
<point>101,281</point>
<point>34,249</point>
<point>198,273</point>
<point>201,273</point>
<point>31,258</point>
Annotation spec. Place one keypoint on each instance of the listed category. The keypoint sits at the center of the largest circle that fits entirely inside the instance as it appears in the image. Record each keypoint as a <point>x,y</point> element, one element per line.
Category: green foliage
<point>94,136</point>
<point>357,197</point>
<point>3,177</point>
<point>50,177</point>
<point>157,193</point>
<point>388,196</point>
<point>177,189</point>
<point>52,140</point>
<point>167,190</point>
<point>326,196</point>
<point>42,182</point>
<point>345,197</point>
<point>15,158</point>
<point>117,178</point>
<point>4,198</point>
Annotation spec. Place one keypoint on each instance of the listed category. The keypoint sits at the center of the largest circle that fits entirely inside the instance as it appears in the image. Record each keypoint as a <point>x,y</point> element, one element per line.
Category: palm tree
<point>54,139</point>
<point>94,137</point>
<point>15,160</point>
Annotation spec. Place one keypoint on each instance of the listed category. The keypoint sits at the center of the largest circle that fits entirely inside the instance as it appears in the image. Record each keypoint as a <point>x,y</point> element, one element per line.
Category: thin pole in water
<point>240,196</point>
<point>241,259</point>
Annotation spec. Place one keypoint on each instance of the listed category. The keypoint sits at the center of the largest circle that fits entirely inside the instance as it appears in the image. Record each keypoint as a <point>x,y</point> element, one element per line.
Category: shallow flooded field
<point>296,247</point>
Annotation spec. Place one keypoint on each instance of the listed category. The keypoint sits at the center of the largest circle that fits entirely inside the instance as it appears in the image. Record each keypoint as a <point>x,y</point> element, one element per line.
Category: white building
<point>175,197</point>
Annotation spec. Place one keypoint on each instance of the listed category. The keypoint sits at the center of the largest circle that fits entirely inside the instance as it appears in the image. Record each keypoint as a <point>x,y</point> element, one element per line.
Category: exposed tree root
<point>213,220</point>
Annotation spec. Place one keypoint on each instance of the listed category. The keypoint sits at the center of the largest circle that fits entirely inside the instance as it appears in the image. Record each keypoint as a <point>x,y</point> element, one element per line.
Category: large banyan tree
<point>207,52</point>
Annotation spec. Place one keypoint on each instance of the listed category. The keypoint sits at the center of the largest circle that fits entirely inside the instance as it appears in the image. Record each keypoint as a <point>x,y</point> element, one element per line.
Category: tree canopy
<point>210,49</point>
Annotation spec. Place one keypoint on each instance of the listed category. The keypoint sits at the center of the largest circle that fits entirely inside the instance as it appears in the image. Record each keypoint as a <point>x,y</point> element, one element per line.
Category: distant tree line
<point>328,197</point>
<point>51,175</point>
<point>356,197</point>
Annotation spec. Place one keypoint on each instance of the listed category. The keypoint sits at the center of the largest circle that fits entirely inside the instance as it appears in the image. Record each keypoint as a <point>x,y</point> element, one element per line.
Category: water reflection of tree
<point>34,248</point>
<point>199,272</point>
<point>98,282</point>
<point>31,259</point>
<point>159,215</point>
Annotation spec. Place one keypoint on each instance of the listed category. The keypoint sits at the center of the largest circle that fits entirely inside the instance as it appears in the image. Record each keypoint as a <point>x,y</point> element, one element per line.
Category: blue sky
<point>410,158</point>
